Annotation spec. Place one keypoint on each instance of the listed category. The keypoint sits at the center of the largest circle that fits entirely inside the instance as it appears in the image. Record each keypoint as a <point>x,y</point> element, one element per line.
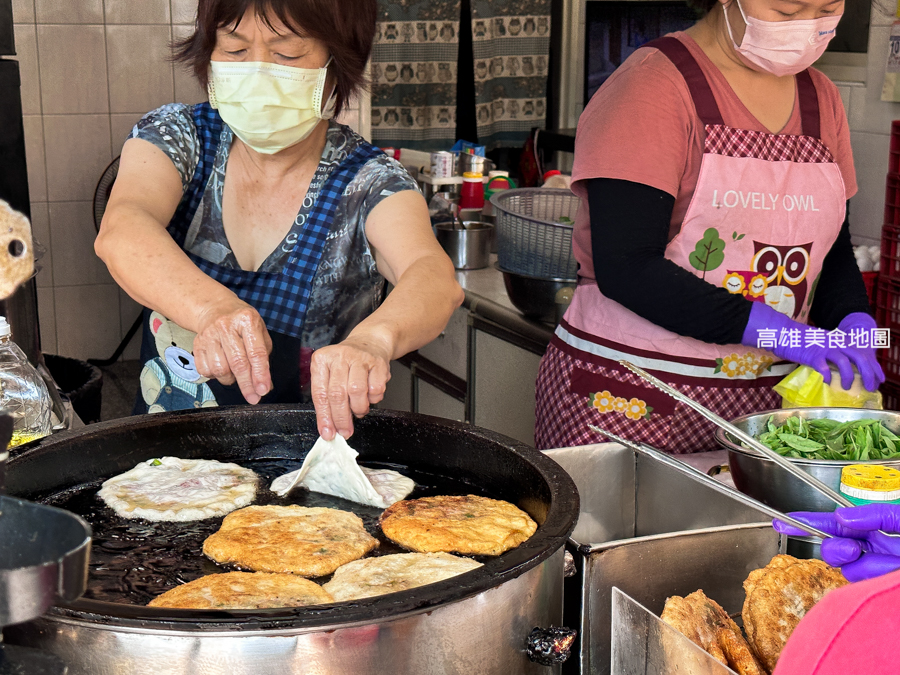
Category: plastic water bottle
<point>23,394</point>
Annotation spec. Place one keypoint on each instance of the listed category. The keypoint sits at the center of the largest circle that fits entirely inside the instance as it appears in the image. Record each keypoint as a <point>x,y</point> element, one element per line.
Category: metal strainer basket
<point>530,240</point>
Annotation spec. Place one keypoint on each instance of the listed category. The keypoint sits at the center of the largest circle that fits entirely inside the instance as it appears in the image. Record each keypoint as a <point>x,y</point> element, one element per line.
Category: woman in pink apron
<point>714,168</point>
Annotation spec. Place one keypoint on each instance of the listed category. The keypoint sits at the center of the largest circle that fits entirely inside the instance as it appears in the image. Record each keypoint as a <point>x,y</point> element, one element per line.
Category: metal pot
<point>473,163</point>
<point>469,247</point>
<point>475,622</point>
<point>762,479</point>
<point>538,298</point>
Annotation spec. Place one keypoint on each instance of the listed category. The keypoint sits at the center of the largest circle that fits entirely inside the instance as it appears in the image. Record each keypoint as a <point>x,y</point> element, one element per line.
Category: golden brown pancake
<point>391,573</point>
<point>469,525</point>
<point>244,590</point>
<point>778,596</point>
<point>311,542</point>
<point>708,625</point>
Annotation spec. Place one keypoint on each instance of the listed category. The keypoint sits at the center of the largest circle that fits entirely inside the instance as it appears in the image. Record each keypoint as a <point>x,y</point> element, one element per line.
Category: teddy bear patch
<point>171,381</point>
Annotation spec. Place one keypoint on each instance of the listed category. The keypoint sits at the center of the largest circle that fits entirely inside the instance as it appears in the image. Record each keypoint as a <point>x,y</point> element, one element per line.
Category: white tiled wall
<point>870,127</point>
<point>90,69</point>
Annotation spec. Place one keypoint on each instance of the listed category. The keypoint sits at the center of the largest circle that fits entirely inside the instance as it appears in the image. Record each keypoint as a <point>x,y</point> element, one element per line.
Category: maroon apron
<point>766,210</point>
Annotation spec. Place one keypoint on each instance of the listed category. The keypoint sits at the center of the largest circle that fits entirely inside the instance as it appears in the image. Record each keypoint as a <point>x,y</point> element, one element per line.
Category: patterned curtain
<point>511,44</point>
<point>414,74</point>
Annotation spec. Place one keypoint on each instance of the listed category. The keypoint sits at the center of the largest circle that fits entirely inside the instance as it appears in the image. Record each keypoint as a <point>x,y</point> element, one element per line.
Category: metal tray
<point>649,571</point>
<point>632,499</point>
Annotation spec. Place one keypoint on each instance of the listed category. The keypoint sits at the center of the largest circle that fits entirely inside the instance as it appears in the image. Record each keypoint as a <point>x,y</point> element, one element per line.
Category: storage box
<point>892,200</point>
<point>889,358</point>
<point>634,501</point>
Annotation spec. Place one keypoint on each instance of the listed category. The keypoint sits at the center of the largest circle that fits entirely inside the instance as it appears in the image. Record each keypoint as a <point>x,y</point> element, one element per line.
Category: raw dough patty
<point>244,590</point>
<point>311,542</point>
<point>392,573</point>
<point>170,488</point>
<point>469,525</point>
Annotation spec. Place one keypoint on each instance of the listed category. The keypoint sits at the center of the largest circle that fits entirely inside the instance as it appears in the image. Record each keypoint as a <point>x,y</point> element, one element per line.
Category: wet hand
<point>346,379</point>
<point>233,345</point>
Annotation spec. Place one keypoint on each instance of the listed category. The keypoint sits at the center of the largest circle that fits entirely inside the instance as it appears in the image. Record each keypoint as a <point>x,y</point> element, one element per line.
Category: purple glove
<point>807,352</point>
<point>863,357</point>
<point>858,548</point>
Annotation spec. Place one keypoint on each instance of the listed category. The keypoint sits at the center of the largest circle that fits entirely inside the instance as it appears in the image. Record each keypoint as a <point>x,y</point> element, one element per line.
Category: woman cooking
<point>714,168</point>
<point>259,231</point>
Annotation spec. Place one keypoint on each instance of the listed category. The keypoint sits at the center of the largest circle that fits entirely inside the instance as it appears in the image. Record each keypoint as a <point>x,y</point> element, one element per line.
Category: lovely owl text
<point>763,201</point>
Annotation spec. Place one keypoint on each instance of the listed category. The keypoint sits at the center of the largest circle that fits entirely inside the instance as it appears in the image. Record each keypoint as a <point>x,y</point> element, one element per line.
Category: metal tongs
<point>688,470</point>
<point>743,436</point>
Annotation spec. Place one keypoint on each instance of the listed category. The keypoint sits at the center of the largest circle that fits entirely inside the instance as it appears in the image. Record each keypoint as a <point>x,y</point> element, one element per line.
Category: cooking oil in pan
<point>133,561</point>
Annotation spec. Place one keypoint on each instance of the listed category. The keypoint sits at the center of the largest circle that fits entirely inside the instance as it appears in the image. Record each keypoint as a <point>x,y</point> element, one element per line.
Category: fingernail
<point>261,389</point>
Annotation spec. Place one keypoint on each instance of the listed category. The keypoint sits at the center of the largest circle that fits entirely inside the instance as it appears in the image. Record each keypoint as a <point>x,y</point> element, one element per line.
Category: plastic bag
<point>806,388</point>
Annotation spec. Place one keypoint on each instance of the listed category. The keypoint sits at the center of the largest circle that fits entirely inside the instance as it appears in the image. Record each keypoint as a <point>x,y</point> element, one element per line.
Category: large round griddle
<point>496,464</point>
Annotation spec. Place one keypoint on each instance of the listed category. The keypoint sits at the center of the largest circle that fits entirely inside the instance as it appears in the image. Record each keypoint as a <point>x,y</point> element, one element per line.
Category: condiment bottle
<point>556,179</point>
<point>870,484</point>
<point>23,394</point>
<point>472,194</point>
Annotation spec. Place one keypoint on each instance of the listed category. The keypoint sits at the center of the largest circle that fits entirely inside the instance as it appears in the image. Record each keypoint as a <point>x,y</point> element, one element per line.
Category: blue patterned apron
<point>281,298</point>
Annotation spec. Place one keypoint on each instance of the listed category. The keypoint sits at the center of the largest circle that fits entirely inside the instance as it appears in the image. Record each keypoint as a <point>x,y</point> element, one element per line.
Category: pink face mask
<point>783,47</point>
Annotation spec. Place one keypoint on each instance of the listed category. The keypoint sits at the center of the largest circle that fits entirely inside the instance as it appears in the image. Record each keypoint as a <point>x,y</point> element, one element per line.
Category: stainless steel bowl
<point>762,479</point>
<point>538,298</point>
<point>469,247</point>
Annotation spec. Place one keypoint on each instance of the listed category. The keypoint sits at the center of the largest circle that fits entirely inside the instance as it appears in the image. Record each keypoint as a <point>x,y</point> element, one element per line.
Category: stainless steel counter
<point>486,297</point>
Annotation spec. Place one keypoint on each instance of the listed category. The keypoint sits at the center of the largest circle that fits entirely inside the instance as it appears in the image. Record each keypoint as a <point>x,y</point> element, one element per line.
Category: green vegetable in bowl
<point>857,441</point>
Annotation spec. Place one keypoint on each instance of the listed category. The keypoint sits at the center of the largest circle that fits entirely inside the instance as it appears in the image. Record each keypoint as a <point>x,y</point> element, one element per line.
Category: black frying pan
<point>489,462</point>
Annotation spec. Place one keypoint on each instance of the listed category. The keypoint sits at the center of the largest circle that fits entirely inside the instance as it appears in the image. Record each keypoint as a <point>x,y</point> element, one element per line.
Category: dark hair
<point>703,7</point>
<point>347,34</point>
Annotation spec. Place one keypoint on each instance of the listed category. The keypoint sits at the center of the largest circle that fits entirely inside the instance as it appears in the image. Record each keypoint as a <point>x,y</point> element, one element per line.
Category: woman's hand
<point>861,544</point>
<point>346,379</point>
<point>233,345</point>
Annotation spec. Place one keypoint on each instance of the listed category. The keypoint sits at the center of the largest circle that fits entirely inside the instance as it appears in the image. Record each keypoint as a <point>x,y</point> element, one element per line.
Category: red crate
<point>890,252</point>
<point>890,394</point>
<point>887,303</point>
<point>894,157</point>
<point>889,358</point>
<point>892,200</point>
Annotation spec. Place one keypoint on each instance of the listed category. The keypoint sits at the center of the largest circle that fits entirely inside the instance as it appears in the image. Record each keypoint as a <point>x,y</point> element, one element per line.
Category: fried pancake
<point>311,542</point>
<point>391,573</point>
<point>469,525</point>
<point>778,596</point>
<point>706,624</point>
<point>176,489</point>
<point>244,590</point>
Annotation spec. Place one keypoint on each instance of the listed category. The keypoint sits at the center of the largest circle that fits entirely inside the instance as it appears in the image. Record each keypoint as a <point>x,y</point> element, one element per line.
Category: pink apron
<point>766,210</point>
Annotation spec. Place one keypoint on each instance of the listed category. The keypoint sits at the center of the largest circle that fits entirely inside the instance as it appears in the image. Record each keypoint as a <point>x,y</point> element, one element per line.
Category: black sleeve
<point>629,234</point>
<point>840,290</point>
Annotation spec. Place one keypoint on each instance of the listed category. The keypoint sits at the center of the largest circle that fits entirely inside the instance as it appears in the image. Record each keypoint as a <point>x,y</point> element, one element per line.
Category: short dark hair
<point>347,34</point>
<point>703,7</point>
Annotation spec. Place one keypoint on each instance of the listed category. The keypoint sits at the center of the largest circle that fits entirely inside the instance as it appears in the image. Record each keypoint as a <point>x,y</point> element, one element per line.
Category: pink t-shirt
<point>641,126</point>
<point>854,629</point>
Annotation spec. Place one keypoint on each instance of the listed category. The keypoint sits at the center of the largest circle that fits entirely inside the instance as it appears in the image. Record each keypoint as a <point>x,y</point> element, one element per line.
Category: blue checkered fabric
<point>209,130</point>
<point>280,298</point>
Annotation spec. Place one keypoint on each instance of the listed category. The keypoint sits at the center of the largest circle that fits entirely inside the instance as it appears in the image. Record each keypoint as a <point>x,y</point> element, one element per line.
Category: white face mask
<point>268,106</point>
<point>783,47</point>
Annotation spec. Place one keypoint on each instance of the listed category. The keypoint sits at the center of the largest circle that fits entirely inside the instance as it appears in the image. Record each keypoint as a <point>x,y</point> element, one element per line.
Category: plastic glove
<point>865,360</point>
<point>808,353</point>
<point>858,548</point>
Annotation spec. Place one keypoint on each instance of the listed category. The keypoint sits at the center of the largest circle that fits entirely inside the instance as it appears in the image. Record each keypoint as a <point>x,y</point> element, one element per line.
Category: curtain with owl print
<point>511,47</point>
<point>414,74</point>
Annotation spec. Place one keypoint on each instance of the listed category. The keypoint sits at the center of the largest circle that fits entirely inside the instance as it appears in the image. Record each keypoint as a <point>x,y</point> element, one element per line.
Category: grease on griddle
<point>133,561</point>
